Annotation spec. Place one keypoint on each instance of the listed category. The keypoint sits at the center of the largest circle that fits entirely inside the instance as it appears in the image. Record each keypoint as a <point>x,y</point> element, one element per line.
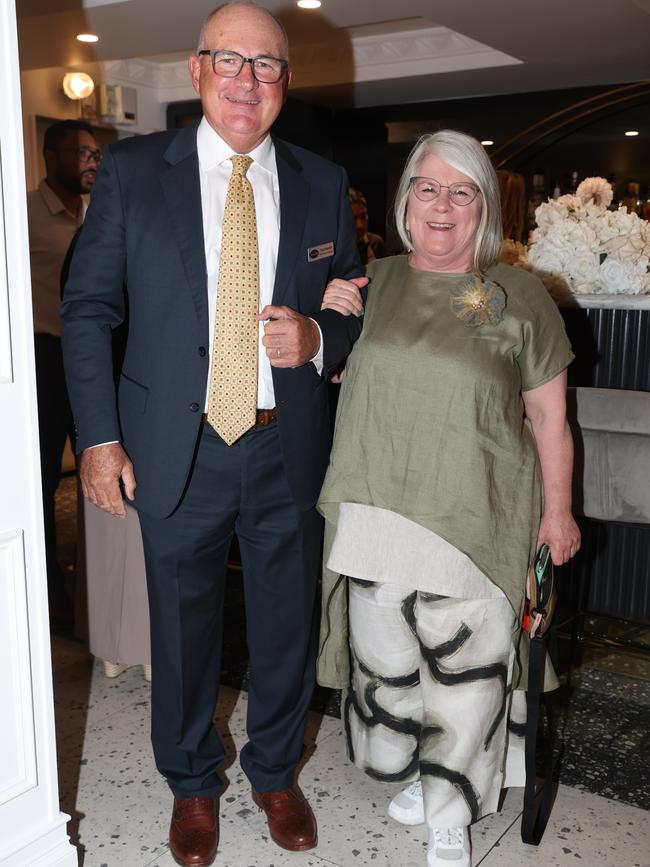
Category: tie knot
<point>240,164</point>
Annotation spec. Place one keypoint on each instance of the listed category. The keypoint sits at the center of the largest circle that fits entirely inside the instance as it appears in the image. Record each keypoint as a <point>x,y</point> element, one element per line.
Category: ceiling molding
<point>132,71</point>
<point>430,51</point>
<point>444,49</point>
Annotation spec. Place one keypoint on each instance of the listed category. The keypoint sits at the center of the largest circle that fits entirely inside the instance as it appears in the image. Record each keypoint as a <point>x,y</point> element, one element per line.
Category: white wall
<point>42,96</point>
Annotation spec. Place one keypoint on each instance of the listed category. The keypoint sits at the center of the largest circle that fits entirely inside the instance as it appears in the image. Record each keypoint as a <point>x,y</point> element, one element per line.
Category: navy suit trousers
<point>238,489</point>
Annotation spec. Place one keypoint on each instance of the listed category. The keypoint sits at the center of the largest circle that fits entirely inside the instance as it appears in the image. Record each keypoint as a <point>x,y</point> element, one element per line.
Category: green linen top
<point>430,421</point>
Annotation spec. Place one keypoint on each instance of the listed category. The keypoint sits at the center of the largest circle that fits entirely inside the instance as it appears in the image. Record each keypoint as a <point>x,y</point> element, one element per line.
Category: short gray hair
<point>253,5</point>
<point>466,155</point>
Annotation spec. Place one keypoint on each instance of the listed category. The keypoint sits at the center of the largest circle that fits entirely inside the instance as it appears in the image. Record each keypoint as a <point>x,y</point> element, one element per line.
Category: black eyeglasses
<point>228,64</point>
<point>86,155</point>
<point>428,190</point>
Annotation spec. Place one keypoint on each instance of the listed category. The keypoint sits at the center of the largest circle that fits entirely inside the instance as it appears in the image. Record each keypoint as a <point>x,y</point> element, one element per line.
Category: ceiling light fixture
<point>87,37</point>
<point>309,4</point>
<point>77,85</point>
<point>487,142</point>
<point>632,132</point>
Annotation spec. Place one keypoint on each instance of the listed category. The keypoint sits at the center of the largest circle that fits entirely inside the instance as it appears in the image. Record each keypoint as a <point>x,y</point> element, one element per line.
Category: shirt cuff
<point>317,360</point>
<point>97,445</point>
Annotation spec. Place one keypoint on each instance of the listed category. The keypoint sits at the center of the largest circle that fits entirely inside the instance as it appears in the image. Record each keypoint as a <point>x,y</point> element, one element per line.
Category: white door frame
<point>32,828</point>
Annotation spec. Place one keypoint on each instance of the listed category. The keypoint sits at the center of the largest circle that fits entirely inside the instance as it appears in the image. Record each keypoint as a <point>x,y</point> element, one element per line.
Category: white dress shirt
<point>215,171</point>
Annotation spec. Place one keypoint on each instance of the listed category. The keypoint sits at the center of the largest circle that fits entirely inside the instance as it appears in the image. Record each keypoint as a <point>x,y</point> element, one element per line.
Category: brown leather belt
<point>262,419</point>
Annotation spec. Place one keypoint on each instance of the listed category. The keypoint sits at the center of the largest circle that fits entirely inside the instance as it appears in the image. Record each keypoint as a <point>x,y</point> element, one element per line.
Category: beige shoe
<point>146,669</point>
<point>113,669</point>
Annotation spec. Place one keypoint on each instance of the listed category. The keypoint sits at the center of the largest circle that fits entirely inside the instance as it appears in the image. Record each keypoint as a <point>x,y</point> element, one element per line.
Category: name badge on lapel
<point>322,251</point>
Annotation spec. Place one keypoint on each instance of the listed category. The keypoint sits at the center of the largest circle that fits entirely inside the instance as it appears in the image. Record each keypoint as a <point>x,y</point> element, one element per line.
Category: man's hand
<point>344,296</point>
<point>290,338</point>
<point>100,471</point>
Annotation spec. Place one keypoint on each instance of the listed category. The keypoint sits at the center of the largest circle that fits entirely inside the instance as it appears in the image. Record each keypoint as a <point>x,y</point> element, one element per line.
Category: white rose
<point>618,278</point>
<point>584,270</point>
<point>547,258</point>
<point>574,237</point>
<point>624,221</point>
<point>548,213</point>
<point>606,227</point>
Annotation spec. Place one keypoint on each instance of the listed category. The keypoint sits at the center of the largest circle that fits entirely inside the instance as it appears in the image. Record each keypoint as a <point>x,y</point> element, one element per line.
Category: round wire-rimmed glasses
<point>228,64</point>
<point>428,190</point>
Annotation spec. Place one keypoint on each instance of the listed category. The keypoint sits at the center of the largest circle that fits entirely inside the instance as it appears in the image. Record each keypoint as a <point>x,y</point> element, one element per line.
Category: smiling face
<point>241,110</point>
<point>443,235</point>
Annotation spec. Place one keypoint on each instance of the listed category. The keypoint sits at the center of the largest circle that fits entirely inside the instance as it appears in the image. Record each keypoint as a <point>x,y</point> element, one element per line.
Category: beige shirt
<point>51,229</point>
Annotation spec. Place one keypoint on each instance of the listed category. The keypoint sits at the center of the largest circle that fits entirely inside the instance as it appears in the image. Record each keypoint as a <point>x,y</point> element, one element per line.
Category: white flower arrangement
<point>580,247</point>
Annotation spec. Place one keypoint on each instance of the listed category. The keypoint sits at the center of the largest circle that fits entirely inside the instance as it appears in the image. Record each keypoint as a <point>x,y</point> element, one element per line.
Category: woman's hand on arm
<point>546,411</point>
<point>344,296</point>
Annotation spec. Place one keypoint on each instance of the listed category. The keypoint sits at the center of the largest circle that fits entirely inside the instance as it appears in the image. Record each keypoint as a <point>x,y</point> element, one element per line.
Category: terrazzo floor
<point>120,807</point>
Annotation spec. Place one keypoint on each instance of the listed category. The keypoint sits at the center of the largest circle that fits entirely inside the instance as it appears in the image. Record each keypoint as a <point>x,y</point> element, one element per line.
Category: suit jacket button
<point>202,351</point>
<point>195,407</point>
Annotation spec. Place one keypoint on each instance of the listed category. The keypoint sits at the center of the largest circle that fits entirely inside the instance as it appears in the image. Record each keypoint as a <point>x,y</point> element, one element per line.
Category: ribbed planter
<point>610,335</point>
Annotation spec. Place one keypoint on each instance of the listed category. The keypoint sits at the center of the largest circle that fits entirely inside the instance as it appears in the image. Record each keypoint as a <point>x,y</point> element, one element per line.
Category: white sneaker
<point>449,847</point>
<point>407,807</point>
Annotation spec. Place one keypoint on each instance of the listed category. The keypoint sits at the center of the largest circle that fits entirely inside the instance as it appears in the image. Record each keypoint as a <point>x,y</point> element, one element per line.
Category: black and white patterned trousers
<point>430,695</point>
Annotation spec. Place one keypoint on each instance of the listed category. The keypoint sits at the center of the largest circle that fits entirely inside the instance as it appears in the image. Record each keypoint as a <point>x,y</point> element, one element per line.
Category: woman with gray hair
<point>451,432</point>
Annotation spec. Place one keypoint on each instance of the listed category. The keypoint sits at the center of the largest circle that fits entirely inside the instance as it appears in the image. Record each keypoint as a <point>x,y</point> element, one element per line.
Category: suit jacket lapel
<point>182,190</point>
<point>294,200</point>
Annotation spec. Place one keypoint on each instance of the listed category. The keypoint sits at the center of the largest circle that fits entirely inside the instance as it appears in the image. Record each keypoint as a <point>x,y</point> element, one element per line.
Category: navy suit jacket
<point>144,230</point>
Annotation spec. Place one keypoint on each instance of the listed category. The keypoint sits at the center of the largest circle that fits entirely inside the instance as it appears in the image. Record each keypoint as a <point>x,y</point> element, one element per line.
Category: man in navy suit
<point>154,225</point>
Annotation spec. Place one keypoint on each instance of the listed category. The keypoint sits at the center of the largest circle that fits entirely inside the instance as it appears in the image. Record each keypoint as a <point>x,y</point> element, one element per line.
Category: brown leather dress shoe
<point>194,831</point>
<point>292,824</point>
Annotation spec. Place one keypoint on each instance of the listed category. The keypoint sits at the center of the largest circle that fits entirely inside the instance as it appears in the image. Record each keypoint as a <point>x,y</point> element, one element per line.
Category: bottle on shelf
<point>645,207</point>
<point>537,196</point>
<point>557,189</point>
<point>574,182</point>
<point>632,199</point>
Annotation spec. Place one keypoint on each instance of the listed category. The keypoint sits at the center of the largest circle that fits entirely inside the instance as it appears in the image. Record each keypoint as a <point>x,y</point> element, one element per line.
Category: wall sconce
<point>78,85</point>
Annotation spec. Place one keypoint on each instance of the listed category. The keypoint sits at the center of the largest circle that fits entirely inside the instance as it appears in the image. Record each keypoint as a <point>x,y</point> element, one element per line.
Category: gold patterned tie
<point>232,404</point>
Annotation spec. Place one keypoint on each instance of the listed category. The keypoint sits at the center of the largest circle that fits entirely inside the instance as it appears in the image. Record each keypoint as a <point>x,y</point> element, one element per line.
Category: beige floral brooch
<point>478,302</point>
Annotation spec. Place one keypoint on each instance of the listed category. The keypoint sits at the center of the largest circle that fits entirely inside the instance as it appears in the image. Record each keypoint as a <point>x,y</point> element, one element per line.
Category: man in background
<point>54,212</point>
<point>370,245</point>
